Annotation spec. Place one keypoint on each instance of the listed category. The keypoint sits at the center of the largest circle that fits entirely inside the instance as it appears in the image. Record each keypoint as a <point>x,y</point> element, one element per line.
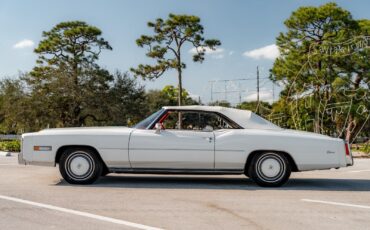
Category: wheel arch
<point>65,147</point>
<point>255,152</point>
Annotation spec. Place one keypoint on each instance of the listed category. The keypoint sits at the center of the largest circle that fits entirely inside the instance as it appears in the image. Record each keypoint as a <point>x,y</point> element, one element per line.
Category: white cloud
<point>267,52</point>
<point>231,52</point>
<point>218,56</point>
<point>265,95</point>
<point>26,43</point>
<point>217,53</point>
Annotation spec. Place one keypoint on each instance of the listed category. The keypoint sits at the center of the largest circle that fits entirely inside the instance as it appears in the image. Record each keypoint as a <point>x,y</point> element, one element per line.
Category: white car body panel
<point>172,149</point>
<point>309,151</point>
<point>227,149</point>
<point>111,143</point>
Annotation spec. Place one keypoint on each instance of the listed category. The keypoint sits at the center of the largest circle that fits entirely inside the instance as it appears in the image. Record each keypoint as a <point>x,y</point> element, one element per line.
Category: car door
<point>229,154</point>
<point>180,145</point>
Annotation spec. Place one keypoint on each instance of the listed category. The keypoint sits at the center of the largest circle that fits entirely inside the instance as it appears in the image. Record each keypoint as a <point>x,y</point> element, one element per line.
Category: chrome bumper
<point>21,161</point>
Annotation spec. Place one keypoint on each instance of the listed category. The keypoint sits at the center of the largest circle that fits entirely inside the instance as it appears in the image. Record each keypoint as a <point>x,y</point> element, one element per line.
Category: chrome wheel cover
<point>270,167</point>
<point>79,165</point>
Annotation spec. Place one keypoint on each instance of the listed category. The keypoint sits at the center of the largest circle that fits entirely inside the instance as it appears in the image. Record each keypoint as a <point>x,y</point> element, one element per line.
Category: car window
<point>189,120</point>
<point>147,121</point>
<point>193,120</point>
<point>213,121</point>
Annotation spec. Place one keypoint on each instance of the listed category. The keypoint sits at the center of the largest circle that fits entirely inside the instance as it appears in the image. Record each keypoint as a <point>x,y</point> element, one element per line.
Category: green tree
<point>127,102</point>
<point>307,66</point>
<point>156,99</point>
<point>264,108</point>
<point>14,107</point>
<point>355,83</point>
<point>165,46</point>
<point>67,83</point>
<point>170,92</point>
<point>222,103</point>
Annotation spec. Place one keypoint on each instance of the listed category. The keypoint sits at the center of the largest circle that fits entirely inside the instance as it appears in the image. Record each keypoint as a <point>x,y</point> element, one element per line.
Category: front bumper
<point>21,161</point>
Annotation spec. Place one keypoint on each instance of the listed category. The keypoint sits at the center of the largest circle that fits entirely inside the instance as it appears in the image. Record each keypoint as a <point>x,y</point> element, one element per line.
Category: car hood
<point>83,131</point>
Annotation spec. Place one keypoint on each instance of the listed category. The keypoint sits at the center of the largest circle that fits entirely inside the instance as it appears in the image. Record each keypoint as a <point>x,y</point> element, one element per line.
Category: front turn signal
<point>42,148</point>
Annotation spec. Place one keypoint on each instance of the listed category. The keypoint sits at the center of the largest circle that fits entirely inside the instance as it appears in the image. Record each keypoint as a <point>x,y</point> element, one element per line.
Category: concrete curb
<point>5,154</point>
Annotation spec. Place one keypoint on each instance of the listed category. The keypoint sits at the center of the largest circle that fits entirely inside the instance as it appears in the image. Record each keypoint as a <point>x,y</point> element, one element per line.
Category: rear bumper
<point>349,160</point>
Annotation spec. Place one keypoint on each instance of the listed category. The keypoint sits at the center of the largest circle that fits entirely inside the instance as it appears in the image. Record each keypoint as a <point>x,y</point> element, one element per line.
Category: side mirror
<point>158,127</point>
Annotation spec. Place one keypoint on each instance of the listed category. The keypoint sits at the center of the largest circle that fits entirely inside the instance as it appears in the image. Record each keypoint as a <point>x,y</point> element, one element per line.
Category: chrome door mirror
<point>158,127</point>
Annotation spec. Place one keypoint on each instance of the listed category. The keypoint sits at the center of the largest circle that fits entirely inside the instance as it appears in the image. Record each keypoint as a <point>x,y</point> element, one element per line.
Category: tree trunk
<point>350,130</point>
<point>179,76</point>
<point>317,110</point>
<point>179,97</point>
<point>317,126</point>
<point>76,107</point>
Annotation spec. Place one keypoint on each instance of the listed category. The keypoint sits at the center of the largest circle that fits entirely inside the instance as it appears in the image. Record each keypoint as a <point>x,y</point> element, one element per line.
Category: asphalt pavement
<point>35,197</point>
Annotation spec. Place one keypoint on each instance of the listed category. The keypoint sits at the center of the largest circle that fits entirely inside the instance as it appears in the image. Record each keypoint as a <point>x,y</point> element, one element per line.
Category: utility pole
<point>273,92</point>
<point>240,93</point>
<point>225,91</point>
<point>258,90</point>
<point>225,86</point>
<point>211,91</point>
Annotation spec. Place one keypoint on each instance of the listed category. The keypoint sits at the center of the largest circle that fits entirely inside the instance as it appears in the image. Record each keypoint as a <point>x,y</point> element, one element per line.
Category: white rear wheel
<point>269,169</point>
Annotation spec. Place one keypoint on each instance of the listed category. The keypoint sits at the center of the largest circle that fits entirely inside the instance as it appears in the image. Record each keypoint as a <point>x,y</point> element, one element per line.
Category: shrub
<point>10,145</point>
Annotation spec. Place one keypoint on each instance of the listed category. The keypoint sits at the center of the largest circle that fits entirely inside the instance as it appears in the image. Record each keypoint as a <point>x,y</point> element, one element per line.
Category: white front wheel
<point>80,166</point>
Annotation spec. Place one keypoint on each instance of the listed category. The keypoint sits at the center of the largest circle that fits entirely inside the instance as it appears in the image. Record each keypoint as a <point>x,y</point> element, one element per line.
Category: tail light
<point>346,146</point>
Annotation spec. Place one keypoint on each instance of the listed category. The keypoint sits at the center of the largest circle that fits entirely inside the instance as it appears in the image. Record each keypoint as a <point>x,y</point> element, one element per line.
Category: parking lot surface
<point>33,197</point>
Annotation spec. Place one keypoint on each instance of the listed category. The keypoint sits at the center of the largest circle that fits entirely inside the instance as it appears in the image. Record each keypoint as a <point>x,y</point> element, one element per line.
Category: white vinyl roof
<point>244,118</point>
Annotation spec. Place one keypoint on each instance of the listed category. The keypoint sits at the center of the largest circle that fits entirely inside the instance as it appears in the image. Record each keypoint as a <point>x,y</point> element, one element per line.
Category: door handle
<point>209,139</point>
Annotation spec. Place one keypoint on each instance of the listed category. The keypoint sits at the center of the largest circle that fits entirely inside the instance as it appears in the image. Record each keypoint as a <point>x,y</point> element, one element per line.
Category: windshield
<point>147,121</point>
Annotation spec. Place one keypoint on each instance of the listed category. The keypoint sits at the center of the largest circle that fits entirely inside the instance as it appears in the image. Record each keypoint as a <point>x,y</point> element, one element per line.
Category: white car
<point>186,140</point>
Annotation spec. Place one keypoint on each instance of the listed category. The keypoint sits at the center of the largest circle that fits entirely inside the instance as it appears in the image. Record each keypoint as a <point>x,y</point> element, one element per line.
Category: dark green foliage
<point>14,107</point>
<point>68,88</point>
<point>127,101</point>
<point>10,145</point>
<point>222,103</point>
<point>165,46</point>
<point>156,99</point>
<point>263,108</point>
<point>67,84</point>
<point>316,73</point>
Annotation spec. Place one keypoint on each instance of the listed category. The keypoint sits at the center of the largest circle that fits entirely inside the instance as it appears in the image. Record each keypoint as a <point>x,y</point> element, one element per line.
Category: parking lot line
<point>356,171</point>
<point>336,203</point>
<point>79,213</point>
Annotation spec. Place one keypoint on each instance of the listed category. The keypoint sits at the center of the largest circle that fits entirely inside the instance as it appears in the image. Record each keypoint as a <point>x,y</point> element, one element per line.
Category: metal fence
<point>9,137</point>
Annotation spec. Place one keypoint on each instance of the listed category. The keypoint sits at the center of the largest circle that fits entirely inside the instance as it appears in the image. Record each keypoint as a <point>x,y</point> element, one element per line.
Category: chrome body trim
<point>177,171</point>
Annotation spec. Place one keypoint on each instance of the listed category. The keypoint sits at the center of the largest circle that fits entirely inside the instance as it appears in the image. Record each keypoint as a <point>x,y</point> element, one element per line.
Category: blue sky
<point>242,26</point>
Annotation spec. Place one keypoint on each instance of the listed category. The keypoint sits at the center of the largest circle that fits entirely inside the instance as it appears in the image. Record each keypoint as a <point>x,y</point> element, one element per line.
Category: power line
<point>239,90</point>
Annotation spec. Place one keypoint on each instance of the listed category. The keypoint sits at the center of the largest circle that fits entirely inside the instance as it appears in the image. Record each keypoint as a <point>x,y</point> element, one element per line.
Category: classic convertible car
<point>186,140</point>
